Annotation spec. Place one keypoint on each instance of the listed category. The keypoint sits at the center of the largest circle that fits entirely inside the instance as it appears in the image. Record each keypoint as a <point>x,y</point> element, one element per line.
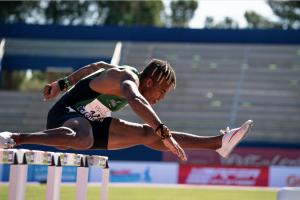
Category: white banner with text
<point>284,176</point>
<point>138,172</point>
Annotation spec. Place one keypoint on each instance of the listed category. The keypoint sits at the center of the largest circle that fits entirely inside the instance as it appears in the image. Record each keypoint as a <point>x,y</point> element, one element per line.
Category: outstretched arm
<point>87,70</point>
<point>129,87</point>
<point>139,104</point>
<point>52,90</point>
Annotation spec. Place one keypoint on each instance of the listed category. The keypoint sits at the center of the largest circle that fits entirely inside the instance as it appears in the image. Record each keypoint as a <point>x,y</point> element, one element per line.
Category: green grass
<point>130,193</point>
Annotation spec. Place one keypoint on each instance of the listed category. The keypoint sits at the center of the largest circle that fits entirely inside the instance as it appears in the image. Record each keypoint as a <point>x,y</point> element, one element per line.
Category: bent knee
<point>84,141</point>
<point>81,139</point>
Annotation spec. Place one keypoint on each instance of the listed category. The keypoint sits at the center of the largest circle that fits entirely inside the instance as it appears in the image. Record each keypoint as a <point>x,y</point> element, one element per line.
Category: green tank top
<point>93,105</point>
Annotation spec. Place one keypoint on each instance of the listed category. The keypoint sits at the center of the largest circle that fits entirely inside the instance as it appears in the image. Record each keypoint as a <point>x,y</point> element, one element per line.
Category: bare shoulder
<point>127,74</point>
<point>121,75</point>
<point>104,65</point>
<point>110,81</point>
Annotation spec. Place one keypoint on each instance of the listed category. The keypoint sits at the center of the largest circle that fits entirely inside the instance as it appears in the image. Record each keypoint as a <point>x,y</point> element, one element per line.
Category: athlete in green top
<point>81,117</point>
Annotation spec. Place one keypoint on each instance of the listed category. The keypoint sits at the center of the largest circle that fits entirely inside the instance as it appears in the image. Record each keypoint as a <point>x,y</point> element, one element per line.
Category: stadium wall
<point>175,173</point>
<point>138,33</point>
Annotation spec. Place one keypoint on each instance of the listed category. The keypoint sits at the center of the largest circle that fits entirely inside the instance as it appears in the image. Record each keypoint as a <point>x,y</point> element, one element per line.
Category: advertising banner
<point>212,175</point>
<point>138,172</point>
<point>283,176</point>
<point>38,173</point>
<point>240,156</point>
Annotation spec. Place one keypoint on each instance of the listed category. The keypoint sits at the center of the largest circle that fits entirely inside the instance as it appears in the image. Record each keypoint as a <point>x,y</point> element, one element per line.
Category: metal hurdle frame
<point>20,158</point>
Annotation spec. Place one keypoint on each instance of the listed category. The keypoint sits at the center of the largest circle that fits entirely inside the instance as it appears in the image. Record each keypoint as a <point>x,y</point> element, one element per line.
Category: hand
<point>51,90</point>
<point>174,147</point>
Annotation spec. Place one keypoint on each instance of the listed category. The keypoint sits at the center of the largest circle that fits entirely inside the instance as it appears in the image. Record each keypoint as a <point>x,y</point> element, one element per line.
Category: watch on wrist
<point>163,132</point>
<point>61,84</point>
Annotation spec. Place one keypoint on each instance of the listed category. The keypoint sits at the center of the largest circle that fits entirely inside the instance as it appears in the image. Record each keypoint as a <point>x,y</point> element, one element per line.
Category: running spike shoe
<point>6,141</point>
<point>232,137</point>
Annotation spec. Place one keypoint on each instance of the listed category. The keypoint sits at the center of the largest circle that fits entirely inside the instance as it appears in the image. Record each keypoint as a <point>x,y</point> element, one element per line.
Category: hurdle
<point>20,158</point>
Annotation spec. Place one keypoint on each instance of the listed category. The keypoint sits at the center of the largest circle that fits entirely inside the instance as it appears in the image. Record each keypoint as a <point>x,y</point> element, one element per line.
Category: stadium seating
<point>218,85</point>
<point>23,112</point>
<point>221,85</point>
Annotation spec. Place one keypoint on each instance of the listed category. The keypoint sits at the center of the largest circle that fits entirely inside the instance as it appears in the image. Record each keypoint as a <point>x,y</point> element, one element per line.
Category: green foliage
<point>255,20</point>
<point>227,23</point>
<point>60,12</point>
<point>134,12</point>
<point>17,80</point>
<point>209,22</point>
<point>70,12</point>
<point>147,13</point>
<point>182,12</point>
<point>32,85</point>
<point>36,83</point>
<point>288,12</point>
<point>39,75</point>
<point>18,11</point>
<point>83,12</point>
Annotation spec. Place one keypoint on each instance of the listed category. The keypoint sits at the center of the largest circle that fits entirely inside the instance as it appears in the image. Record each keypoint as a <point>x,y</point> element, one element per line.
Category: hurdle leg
<point>23,169</point>
<point>13,182</point>
<point>81,182</point>
<point>105,178</point>
<point>17,181</point>
<point>53,182</point>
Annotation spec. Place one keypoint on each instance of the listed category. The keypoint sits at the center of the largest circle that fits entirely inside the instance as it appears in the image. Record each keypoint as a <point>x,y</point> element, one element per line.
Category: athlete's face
<point>155,91</point>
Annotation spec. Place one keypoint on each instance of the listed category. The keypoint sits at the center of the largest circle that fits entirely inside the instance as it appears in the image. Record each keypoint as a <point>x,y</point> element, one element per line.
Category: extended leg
<point>75,133</point>
<point>123,134</point>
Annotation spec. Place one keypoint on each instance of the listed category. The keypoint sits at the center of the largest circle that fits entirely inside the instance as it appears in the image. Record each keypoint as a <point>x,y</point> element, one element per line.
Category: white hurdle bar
<point>19,160</point>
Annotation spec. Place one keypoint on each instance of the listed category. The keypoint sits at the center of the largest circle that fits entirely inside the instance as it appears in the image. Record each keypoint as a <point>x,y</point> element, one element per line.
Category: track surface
<point>185,186</point>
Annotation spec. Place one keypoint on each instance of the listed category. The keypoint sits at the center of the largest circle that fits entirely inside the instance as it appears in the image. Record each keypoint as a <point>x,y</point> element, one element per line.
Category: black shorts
<point>59,114</point>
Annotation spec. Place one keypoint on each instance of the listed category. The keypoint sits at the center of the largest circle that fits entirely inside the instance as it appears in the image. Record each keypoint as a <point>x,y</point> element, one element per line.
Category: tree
<point>47,12</point>
<point>288,12</point>
<point>72,12</point>
<point>134,12</point>
<point>209,22</point>
<point>83,12</point>
<point>255,20</point>
<point>182,12</point>
<point>227,23</point>
<point>18,11</point>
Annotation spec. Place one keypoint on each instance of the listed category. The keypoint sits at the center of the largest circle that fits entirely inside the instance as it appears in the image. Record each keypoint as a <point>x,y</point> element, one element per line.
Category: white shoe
<point>232,137</point>
<point>6,141</point>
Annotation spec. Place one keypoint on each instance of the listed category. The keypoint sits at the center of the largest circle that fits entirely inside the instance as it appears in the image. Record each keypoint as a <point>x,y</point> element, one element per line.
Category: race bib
<point>95,111</point>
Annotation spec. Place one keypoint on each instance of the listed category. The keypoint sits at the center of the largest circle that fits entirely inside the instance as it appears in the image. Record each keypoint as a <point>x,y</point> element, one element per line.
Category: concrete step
<point>26,96</point>
<point>22,128</point>
<point>23,113</point>
<point>13,120</point>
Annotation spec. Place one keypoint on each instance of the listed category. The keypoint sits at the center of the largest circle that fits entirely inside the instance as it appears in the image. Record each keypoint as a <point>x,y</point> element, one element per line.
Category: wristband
<point>163,132</point>
<point>61,84</point>
<point>67,82</point>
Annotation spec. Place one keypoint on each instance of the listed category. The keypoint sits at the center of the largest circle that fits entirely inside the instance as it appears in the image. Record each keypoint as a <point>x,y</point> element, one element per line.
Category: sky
<point>224,8</point>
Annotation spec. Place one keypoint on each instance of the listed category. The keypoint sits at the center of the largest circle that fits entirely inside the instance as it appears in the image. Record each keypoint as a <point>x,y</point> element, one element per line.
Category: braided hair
<point>159,70</point>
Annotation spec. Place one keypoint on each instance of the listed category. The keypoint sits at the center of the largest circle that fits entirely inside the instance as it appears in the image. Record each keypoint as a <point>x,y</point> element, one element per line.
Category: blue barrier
<point>18,62</point>
<point>151,34</point>
<point>136,153</point>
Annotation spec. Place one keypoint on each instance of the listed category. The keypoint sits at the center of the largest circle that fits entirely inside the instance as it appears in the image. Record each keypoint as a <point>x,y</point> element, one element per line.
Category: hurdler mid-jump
<point>81,118</point>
